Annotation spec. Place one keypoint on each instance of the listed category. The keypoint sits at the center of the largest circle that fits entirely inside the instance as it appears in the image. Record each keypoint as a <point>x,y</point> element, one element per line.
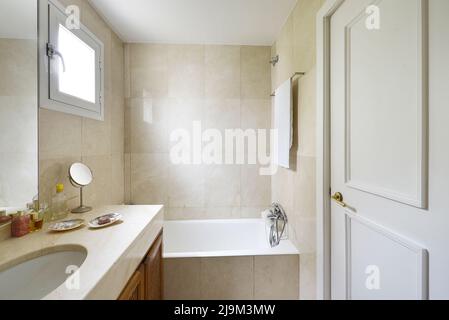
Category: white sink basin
<point>38,276</point>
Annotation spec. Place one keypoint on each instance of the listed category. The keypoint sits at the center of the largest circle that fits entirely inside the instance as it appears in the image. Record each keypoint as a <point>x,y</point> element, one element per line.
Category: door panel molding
<point>419,196</point>
<point>419,253</point>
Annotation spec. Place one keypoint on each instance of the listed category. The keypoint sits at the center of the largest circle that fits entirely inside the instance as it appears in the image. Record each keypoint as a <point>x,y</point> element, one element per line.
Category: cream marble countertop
<point>113,253</point>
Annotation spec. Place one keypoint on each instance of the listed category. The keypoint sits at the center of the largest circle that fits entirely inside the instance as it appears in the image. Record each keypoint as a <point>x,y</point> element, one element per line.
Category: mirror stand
<point>81,208</point>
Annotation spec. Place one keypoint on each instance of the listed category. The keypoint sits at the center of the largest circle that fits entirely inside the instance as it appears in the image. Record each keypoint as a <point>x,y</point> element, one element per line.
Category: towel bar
<point>293,76</point>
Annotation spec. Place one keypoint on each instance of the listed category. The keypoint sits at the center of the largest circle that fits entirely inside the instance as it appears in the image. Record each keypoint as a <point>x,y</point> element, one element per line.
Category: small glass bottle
<point>45,212</point>
<point>59,204</point>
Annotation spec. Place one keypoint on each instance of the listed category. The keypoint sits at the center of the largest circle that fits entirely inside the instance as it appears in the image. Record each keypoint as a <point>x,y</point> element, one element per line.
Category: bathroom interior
<point>173,150</point>
<point>109,136</point>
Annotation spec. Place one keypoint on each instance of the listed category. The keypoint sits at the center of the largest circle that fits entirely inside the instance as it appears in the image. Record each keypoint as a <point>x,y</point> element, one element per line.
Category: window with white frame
<point>71,72</point>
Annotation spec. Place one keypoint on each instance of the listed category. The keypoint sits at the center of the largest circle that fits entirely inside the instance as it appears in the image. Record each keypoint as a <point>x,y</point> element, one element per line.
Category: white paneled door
<point>389,149</point>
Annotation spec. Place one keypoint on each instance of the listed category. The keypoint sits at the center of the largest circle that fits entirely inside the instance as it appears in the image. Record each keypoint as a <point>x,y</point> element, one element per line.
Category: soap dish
<point>105,221</point>
<point>66,225</point>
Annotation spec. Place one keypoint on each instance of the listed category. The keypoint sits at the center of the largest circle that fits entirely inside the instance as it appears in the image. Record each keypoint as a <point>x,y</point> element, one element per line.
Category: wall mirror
<point>18,103</point>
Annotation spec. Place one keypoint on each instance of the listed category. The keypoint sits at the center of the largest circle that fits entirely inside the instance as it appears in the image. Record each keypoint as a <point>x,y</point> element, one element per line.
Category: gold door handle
<point>338,198</point>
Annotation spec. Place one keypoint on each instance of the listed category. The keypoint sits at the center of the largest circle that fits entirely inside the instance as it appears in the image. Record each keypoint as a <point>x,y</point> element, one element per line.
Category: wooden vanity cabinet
<point>146,282</point>
<point>153,271</point>
<point>135,289</point>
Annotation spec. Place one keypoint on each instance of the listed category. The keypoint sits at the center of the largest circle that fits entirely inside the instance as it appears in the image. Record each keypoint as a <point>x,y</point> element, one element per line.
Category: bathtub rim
<point>286,247</point>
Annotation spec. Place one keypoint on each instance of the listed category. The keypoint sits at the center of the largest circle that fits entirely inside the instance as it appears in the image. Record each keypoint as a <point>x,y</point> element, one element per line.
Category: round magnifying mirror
<point>80,176</point>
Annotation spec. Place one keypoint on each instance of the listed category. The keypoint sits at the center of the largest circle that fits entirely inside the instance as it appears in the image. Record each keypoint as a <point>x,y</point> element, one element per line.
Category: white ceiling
<point>18,19</point>
<point>239,22</point>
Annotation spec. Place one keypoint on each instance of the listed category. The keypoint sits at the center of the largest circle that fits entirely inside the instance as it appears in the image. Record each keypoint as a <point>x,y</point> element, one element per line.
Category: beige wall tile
<point>307,277</point>
<point>307,114</point>
<point>276,277</point>
<point>59,134</point>
<point>118,125</point>
<point>96,134</point>
<point>255,75</point>
<point>304,22</point>
<point>256,114</point>
<point>182,279</point>
<point>118,67</point>
<point>222,72</point>
<point>149,178</point>
<point>117,188</point>
<point>304,180</point>
<point>221,114</point>
<point>255,188</point>
<point>252,212</point>
<point>186,71</point>
<point>98,193</point>
<point>227,278</point>
<point>127,178</point>
<point>222,186</point>
<point>184,213</point>
<point>183,112</point>
<point>149,125</point>
<point>186,185</point>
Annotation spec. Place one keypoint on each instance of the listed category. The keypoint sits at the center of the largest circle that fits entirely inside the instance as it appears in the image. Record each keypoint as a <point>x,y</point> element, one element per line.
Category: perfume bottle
<point>59,204</point>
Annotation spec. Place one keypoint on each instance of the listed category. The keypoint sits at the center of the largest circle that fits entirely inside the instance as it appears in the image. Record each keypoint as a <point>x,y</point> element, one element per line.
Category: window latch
<point>52,52</point>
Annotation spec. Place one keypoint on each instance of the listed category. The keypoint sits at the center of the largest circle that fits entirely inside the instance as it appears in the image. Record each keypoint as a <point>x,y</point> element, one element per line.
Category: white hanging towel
<point>283,115</point>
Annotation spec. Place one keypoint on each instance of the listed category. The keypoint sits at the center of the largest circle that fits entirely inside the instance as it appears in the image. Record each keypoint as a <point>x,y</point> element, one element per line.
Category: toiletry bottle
<point>20,224</point>
<point>59,204</point>
<point>45,212</point>
<point>30,213</point>
<point>37,217</point>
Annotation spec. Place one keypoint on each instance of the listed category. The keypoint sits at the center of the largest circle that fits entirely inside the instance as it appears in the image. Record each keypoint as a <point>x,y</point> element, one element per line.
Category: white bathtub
<point>220,238</point>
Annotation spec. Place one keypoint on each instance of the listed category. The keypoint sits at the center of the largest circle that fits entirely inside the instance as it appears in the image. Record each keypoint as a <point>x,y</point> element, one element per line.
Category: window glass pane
<point>78,79</point>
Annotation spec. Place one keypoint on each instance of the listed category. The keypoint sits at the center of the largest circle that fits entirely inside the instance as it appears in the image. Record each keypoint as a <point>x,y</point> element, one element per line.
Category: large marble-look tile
<point>118,125</point>
<point>186,71</point>
<point>276,277</point>
<point>306,116</point>
<point>96,134</point>
<point>186,185</point>
<point>307,277</point>
<point>182,279</point>
<point>117,179</point>
<point>221,114</point>
<point>229,278</point>
<point>304,39</point>
<point>99,191</point>
<point>255,72</point>
<point>148,70</point>
<point>304,180</point>
<point>149,125</point>
<point>222,72</point>
<point>149,178</point>
<point>222,186</point>
<point>255,188</point>
<point>60,134</point>
<point>256,114</point>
